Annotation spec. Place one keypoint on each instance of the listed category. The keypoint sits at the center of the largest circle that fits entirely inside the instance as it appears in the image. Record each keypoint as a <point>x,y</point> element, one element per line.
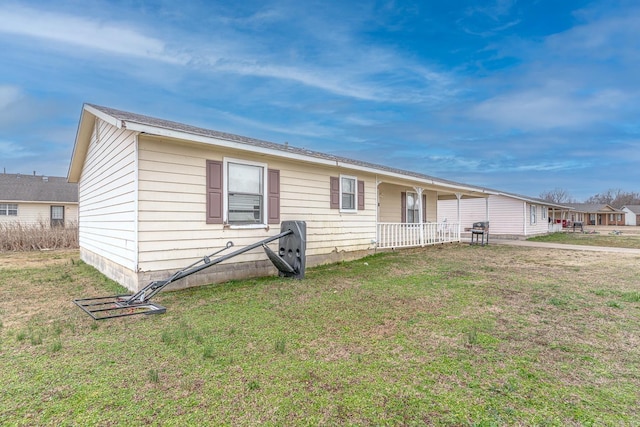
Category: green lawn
<point>608,240</point>
<point>445,335</point>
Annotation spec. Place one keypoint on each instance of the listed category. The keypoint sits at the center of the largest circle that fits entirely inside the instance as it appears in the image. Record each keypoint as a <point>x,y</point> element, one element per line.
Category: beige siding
<point>35,213</point>
<point>172,226</point>
<point>107,193</point>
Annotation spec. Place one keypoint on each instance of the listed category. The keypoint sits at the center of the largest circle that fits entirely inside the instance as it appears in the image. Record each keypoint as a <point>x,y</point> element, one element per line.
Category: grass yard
<point>445,335</point>
<point>603,238</point>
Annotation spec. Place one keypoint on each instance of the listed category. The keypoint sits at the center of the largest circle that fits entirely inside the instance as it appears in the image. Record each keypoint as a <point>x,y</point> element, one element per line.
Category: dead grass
<point>37,237</point>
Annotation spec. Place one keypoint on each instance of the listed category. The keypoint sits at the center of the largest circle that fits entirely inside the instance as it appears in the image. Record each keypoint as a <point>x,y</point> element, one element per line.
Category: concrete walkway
<point>563,246</point>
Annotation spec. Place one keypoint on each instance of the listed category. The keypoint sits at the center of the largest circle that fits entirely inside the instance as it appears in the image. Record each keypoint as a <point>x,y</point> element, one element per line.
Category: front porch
<point>404,235</point>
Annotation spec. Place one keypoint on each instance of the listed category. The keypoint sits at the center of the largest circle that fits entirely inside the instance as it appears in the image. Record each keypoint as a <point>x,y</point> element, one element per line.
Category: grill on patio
<point>480,229</point>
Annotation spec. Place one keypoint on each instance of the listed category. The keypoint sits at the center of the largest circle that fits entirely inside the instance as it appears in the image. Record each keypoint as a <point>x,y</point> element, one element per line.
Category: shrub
<point>33,237</point>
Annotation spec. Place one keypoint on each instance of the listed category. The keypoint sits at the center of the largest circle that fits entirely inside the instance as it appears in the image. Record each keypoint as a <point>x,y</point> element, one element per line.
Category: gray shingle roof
<point>125,116</point>
<point>593,208</point>
<point>633,208</point>
<point>31,188</point>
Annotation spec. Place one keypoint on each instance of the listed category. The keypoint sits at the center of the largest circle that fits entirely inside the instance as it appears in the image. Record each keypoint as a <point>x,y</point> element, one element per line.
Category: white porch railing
<point>555,227</point>
<point>402,235</point>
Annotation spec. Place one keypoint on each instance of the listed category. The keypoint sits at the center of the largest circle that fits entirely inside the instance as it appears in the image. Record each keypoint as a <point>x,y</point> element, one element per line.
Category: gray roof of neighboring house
<point>32,188</point>
<point>591,208</point>
<point>633,208</point>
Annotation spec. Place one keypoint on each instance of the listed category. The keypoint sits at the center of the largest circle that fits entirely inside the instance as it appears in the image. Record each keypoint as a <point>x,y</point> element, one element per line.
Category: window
<point>619,217</point>
<point>413,208</point>
<point>9,209</point>
<point>57,216</point>
<point>245,190</point>
<point>532,213</point>
<point>544,212</point>
<point>348,193</point>
<point>242,193</point>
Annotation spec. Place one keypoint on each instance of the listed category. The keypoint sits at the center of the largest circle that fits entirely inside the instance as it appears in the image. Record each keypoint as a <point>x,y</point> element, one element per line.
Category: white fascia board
<point>155,131</point>
<point>104,116</point>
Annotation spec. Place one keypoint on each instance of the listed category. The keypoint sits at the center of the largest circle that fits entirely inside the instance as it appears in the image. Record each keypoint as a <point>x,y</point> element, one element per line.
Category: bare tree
<point>616,198</point>
<point>557,195</point>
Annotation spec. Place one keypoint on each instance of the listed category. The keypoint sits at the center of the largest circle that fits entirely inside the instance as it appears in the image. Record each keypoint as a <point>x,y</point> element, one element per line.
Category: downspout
<point>524,217</point>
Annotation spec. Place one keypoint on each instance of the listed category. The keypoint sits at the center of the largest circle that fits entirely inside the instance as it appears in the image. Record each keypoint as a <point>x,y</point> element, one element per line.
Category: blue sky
<point>521,96</point>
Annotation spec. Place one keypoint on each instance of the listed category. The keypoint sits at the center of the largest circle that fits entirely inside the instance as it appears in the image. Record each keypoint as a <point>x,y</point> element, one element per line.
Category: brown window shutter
<point>360,195</point>
<point>424,208</point>
<point>334,192</point>
<point>273,186</point>
<point>214,192</point>
<point>403,205</point>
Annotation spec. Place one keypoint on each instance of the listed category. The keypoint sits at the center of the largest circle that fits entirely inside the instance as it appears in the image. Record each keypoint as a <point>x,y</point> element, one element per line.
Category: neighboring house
<point>155,195</point>
<point>509,215</point>
<point>631,214</point>
<point>598,214</point>
<point>37,200</point>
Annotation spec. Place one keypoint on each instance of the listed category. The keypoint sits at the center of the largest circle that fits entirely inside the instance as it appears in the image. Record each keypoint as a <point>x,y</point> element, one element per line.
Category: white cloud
<point>8,96</point>
<point>83,32</point>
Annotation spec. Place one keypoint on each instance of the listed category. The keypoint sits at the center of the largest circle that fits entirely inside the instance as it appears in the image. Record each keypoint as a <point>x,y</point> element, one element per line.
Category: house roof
<point>166,128</point>
<point>32,188</point>
<point>593,208</point>
<point>633,208</point>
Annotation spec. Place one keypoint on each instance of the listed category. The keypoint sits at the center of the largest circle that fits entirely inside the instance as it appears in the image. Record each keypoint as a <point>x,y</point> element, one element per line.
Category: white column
<point>459,196</point>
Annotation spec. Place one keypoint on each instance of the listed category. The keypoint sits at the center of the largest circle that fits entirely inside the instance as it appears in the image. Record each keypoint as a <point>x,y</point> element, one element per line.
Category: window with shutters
<point>413,208</point>
<point>245,189</point>
<point>242,193</point>
<point>348,193</point>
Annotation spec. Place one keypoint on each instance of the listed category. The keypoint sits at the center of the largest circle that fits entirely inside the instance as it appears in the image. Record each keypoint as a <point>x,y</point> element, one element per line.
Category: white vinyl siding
<point>507,216</point>
<point>107,194</point>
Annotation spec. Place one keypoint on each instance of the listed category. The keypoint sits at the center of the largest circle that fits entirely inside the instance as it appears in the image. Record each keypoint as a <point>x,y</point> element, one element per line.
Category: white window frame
<point>355,194</point>
<point>544,212</point>
<point>8,209</point>
<point>532,214</point>
<point>225,195</point>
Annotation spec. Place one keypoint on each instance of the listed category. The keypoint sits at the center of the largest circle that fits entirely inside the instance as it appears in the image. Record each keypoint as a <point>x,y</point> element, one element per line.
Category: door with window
<point>57,216</point>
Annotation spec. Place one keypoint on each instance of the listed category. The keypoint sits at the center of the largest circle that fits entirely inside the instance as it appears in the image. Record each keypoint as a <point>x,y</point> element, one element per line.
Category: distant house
<point>509,215</point>
<point>155,195</point>
<point>37,200</point>
<point>598,214</point>
<point>631,214</point>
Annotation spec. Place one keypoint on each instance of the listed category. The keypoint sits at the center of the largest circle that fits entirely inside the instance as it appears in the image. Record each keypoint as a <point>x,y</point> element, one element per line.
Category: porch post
<point>378,182</point>
<point>459,196</point>
<point>486,208</point>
